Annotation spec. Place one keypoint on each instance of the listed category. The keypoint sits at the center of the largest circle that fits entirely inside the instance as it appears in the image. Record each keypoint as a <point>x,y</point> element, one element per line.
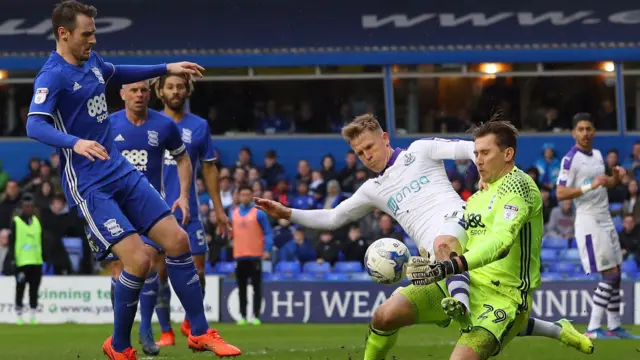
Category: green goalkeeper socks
<point>378,343</point>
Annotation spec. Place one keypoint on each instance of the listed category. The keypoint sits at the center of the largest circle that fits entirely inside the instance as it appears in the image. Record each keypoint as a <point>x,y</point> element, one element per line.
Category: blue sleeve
<point>206,146</point>
<point>46,89</point>
<point>266,229</point>
<point>174,140</point>
<point>39,127</point>
<point>127,74</point>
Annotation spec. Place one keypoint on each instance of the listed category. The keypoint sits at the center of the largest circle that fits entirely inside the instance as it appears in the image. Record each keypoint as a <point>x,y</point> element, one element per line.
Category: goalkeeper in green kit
<point>504,227</point>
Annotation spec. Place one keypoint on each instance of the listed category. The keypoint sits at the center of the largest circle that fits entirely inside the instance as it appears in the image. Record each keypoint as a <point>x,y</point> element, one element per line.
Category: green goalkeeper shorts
<point>426,303</point>
<point>496,320</point>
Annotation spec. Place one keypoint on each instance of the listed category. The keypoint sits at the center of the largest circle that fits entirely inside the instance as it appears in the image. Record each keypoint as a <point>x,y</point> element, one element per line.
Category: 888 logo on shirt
<point>97,107</point>
<point>137,158</point>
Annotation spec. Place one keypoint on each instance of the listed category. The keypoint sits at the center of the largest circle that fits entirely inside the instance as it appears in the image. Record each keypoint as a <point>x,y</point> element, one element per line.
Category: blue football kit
<point>196,137</point>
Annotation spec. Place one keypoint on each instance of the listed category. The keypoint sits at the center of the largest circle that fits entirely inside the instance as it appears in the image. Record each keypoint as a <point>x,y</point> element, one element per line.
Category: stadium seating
<point>348,267</point>
<point>548,256</point>
<point>564,268</point>
<point>570,255</point>
<point>337,277</point>
<point>314,267</point>
<point>617,222</point>
<point>616,208</point>
<point>630,267</point>
<point>267,266</point>
<point>555,243</point>
<point>225,267</point>
<point>288,267</point>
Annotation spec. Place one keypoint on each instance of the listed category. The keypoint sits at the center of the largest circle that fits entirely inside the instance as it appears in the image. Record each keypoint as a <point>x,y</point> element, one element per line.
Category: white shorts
<point>452,224</point>
<point>598,243</point>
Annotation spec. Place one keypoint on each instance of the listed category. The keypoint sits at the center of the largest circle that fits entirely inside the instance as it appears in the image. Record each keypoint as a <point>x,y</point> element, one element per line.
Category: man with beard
<point>174,92</point>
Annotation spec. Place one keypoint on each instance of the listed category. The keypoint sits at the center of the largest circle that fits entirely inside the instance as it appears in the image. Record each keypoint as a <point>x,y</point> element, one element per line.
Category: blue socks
<point>148,297</point>
<point>186,283</point>
<point>163,307</point>
<point>127,293</point>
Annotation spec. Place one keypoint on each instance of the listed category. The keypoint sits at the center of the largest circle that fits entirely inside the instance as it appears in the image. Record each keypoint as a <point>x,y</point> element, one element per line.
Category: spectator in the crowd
<point>548,203</point>
<point>4,250</point>
<point>34,172</point>
<point>272,169</point>
<point>244,160</point>
<point>282,192</point>
<point>258,188</point>
<point>4,178</point>
<point>328,168</point>
<point>58,222</point>
<point>334,196</point>
<point>298,249</point>
<point>612,160</point>
<point>308,122</point>
<point>271,122</point>
<point>551,121</point>
<point>370,225</point>
<point>561,221</point>
<point>282,233</point>
<point>630,237</point>
<point>253,175</point>
<point>632,162</point>
<point>456,183</point>
<point>226,192</point>
<point>343,118</point>
<point>465,169</point>
<point>388,230</point>
<point>620,192</point>
<point>317,184</point>
<point>630,205</point>
<point>361,177</point>
<point>303,200</point>
<point>607,119</point>
<point>44,195</point>
<point>347,175</point>
<point>225,172</point>
<point>8,202</point>
<point>304,171</point>
<point>239,177</point>
<point>327,249</point>
<point>217,243</point>
<point>203,211</point>
<point>535,175</point>
<point>356,246</point>
<point>548,166</point>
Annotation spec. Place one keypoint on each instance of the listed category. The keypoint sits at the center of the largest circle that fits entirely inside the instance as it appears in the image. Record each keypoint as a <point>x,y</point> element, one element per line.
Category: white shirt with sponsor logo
<point>414,189</point>
<point>580,168</point>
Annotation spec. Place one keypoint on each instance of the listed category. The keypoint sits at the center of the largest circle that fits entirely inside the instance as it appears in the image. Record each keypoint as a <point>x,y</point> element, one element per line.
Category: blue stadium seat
<point>305,276</point>
<point>337,277</point>
<point>273,277</point>
<point>361,276</point>
<point>208,269</point>
<point>288,267</point>
<point>617,222</point>
<point>570,255</point>
<point>629,267</point>
<point>548,255</point>
<point>547,276</point>
<point>562,267</point>
<point>47,269</point>
<point>314,267</point>
<point>347,267</point>
<point>616,207</point>
<point>225,267</point>
<point>555,243</point>
<point>267,266</point>
<point>341,256</point>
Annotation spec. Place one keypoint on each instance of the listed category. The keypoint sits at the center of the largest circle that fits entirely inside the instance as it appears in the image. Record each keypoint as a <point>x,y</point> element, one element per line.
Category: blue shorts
<point>126,206</point>
<point>197,238</point>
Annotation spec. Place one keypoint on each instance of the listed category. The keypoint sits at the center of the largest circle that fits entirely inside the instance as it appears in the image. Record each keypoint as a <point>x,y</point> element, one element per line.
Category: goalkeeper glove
<point>424,270</point>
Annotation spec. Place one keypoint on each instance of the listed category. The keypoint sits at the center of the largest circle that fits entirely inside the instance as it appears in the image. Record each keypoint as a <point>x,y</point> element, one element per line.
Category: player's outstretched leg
<point>561,330</point>
<point>148,298</point>
<point>163,305</point>
<point>407,306</point>
<point>199,247</point>
<point>186,283</point>
<point>614,321</point>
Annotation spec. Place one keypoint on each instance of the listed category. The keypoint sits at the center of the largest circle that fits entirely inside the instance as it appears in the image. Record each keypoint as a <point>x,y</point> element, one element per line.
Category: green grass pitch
<point>287,342</point>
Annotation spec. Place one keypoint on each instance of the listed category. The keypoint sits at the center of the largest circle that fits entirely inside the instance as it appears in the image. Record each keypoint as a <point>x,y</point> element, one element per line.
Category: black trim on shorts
<point>108,250</point>
<point>154,222</point>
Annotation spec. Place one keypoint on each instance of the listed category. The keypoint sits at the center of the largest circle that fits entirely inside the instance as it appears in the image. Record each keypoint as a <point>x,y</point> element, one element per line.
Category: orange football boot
<point>167,338</point>
<point>211,341</point>
<point>185,328</point>
<point>112,354</point>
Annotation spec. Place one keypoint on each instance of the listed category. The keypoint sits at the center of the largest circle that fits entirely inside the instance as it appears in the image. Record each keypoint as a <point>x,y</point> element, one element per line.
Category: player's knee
<point>179,244</point>
<point>444,245</point>
<point>140,264</point>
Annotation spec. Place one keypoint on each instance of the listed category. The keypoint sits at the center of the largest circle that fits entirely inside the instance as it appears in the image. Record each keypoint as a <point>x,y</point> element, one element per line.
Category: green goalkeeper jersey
<point>504,225</point>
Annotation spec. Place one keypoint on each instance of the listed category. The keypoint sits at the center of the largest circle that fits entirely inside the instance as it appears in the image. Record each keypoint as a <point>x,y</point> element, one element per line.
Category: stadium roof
<point>234,33</point>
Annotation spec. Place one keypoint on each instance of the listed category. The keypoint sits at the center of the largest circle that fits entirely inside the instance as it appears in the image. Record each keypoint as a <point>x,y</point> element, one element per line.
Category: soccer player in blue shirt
<point>174,91</point>
<point>143,135</point>
<point>69,111</point>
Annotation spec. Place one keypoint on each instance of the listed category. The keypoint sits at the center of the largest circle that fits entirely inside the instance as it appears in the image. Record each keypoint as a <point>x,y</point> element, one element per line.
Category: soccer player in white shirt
<point>412,186</point>
<point>582,179</point>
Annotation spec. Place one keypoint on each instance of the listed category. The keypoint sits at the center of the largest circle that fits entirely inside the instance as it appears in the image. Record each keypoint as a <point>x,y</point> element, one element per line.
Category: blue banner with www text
<point>354,302</point>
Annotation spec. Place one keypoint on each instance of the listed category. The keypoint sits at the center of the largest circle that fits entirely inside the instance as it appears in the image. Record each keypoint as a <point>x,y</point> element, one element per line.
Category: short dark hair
<point>65,13</point>
<point>244,187</point>
<point>613,151</point>
<point>582,116</point>
<point>506,134</point>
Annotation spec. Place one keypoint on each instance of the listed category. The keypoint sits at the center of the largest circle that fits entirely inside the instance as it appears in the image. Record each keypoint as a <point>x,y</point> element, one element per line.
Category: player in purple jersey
<point>69,111</point>
<point>143,135</point>
<point>174,92</point>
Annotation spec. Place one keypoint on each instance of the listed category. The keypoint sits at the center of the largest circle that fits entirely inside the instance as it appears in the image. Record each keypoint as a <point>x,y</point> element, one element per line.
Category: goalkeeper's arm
<point>505,227</point>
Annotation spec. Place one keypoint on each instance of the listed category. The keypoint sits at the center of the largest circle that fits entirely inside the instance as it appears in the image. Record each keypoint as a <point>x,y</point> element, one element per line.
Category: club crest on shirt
<point>98,74</point>
<point>41,95</point>
<point>186,136</point>
<point>510,212</point>
<point>409,159</point>
<point>153,138</point>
